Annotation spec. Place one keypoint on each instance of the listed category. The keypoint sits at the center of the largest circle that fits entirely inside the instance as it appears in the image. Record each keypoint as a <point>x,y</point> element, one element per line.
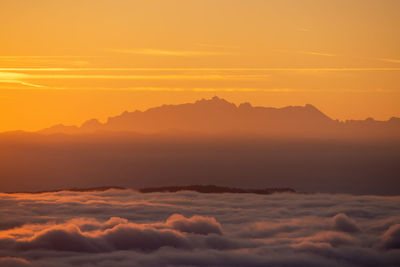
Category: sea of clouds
<point>127,228</point>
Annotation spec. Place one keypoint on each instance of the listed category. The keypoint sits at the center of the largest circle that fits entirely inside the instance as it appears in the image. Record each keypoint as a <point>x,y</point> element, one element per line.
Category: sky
<point>66,61</point>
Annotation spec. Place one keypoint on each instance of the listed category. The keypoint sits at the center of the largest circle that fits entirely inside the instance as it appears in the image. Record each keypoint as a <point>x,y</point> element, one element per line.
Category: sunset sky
<point>65,61</point>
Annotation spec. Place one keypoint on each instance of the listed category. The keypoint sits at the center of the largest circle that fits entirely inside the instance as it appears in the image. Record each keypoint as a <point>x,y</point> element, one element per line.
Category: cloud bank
<point>127,228</point>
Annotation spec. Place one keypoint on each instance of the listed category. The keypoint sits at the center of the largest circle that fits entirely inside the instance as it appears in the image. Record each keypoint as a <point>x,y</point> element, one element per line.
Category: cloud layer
<point>126,228</point>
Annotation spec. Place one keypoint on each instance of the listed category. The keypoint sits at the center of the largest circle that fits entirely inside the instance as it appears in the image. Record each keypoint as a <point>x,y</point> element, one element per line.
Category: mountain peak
<point>245,105</point>
<point>92,124</point>
<point>313,109</point>
<point>217,115</point>
<point>216,98</point>
<point>215,101</point>
<point>310,106</point>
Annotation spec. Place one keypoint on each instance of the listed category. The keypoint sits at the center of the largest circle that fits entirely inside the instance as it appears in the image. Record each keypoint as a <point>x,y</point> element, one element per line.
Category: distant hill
<point>207,189</point>
<point>218,116</point>
<point>173,189</point>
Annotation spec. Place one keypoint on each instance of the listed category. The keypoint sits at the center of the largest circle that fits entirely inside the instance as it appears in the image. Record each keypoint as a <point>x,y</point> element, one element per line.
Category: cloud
<point>204,69</point>
<point>162,52</point>
<point>130,236</point>
<point>312,53</point>
<point>67,238</point>
<point>205,89</point>
<point>48,60</point>
<point>22,83</point>
<point>13,262</point>
<point>345,224</point>
<point>10,77</point>
<point>90,235</point>
<point>391,238</point>
<point>13,76</point>
<point>127,228</point>
<point>269,229</point>
<point>332,238</point>
<point>196,224</point>
<point>391,60</point>
<point>218,46</point>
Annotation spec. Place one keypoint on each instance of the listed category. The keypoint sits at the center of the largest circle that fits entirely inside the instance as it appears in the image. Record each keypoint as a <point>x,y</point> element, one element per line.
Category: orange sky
<point>66,61</point>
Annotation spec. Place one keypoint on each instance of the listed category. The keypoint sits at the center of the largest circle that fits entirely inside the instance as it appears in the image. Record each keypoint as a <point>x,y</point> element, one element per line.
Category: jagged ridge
<point>218,116</point>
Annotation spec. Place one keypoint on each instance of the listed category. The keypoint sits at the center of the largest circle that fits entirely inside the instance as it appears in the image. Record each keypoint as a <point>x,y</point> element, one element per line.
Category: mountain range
<point>218,116</point>
<point>210,141</point>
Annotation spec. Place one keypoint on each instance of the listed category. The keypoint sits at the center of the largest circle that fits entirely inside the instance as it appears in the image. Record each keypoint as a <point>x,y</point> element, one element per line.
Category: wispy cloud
<point>223,90</point>
<point>69,60</point>
<point>391,60</point>
<point>16,78</point>
<point>22,83</point>
<point>30,76</point>
<point>11,76</point>
<point>200,89</point>
<point>161,52</point>
<point>313,53</point>
<point>333,69</point>
<point>40,57</point>
<point>217,46</point>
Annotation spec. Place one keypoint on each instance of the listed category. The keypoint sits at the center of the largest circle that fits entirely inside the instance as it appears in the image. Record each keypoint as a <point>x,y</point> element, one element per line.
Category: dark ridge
<point>215,189</point>
<point>75,189</point>
<point>206,189</point>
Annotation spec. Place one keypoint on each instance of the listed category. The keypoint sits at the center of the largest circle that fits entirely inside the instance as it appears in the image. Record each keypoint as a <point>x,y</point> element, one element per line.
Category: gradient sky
<point>65,61</point>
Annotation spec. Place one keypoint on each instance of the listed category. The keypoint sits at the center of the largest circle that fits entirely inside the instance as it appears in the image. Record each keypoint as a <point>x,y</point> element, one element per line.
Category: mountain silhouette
<point>213,189</point>
<point>218,116</point>
<point>210,141</point>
